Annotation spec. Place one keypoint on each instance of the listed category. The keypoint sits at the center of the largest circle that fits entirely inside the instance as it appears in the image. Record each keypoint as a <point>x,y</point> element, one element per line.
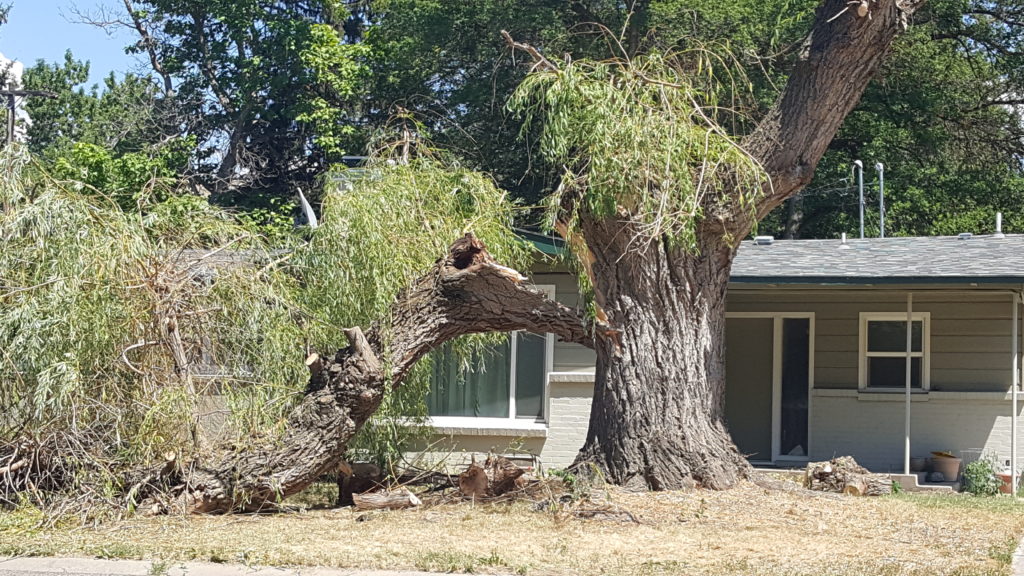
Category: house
<point>816,357</point>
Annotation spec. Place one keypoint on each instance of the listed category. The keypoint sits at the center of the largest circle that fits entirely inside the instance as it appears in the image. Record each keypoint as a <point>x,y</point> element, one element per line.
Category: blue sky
<point>45,29</point>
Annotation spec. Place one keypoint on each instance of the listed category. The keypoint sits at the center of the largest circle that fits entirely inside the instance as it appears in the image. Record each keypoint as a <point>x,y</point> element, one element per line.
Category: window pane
<point>892,372</point>
<point>891,336</point>
<point>530,376</point>
<point>481,391</point>
<point>796,337</point>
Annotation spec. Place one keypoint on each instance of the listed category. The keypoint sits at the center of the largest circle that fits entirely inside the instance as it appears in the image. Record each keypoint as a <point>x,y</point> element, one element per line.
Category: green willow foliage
<point>634,136</point>
<point>391,225</point>
<point>90,290</point>
<point>88,293</point>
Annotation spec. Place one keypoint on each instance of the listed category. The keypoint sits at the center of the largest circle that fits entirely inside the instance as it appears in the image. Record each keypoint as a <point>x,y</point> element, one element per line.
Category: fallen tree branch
<point>466,292</point>
<point>390,500</point>
<point>14,467</point>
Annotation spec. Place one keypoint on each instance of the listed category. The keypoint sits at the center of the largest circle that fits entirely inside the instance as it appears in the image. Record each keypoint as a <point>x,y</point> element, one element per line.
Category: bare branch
<point>540,62</point>
<point>147,41</point>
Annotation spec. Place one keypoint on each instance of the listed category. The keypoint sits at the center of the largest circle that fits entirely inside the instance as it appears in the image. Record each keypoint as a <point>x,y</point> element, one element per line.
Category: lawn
<point>747,530</point>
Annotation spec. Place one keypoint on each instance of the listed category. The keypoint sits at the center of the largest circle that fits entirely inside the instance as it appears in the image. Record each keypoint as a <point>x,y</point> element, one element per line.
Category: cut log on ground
<point>498,476</point>
<point>395,500</point>
<point>845,476</point>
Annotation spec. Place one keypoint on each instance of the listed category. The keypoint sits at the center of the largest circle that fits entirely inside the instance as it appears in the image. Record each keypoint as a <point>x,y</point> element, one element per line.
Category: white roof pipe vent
<point>964,235</point>
<point>764,240</point>
<point>842,244</point>
<point>999,226</point>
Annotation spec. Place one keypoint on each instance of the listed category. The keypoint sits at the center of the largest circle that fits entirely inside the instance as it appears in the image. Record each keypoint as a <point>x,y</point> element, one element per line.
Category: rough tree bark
<point>657,417</point>
<point>466,292</point>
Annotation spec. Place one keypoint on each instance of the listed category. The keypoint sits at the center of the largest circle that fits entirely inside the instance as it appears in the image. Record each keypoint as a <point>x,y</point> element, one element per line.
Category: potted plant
<point>947,465</point>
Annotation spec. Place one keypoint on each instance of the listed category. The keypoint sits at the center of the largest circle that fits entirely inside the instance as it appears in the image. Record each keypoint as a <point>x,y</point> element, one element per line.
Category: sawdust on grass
<point>746,530</point>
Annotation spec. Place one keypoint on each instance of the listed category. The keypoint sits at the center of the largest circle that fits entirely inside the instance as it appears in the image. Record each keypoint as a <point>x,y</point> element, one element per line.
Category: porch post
<point>906,403</point>
<point>1013,394</point>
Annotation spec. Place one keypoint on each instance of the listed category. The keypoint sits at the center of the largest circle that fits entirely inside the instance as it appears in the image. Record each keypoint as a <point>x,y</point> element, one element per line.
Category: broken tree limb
<point>498,476</point>
<point>386,500</point>
<point>465,292</point>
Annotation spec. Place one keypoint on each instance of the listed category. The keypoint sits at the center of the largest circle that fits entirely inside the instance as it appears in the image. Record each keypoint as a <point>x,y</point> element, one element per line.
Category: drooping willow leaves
<point>126,336</point>
<point>637,140</point>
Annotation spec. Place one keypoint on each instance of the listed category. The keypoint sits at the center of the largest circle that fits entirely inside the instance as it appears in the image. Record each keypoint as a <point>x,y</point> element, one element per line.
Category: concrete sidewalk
<point>97,567</point>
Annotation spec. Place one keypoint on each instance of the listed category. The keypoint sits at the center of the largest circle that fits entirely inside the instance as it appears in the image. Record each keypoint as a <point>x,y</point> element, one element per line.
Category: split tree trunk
<point>465,293</point>
<point>657,416</point>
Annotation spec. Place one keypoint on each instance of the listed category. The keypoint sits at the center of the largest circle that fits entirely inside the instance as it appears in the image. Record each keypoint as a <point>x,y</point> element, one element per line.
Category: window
<point>509,383</point>
<point>883,350</point>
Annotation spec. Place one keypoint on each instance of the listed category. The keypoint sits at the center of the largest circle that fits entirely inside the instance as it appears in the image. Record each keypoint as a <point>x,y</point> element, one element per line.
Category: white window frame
<point>925,353</point>
<point>511,422</point>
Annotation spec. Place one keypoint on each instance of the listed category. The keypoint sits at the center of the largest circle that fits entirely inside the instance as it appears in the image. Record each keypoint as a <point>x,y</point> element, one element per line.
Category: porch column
<point>906,402</point>
<point>1013,394</point>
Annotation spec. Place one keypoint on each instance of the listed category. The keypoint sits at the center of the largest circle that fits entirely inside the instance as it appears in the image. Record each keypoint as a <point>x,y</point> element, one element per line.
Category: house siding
<point>970,332</point>
<point>966,410</point>
<point>871,430</point>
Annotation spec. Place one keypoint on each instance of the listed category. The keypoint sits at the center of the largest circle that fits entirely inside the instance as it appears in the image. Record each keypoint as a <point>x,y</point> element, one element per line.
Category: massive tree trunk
<point>465,293</point>
<point>657,416</point>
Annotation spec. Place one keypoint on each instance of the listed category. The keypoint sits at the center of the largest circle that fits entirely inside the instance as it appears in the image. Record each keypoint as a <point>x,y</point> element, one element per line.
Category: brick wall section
<point>871,427</point>
<point>569,416</point>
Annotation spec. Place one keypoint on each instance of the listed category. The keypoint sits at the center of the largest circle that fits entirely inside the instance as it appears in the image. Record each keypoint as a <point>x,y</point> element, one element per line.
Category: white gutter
<point>906,410</point>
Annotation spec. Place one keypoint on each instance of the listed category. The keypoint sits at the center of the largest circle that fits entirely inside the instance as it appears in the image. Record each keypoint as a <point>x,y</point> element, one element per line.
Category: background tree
<point>269,89</point>
<point>944,116</point>
<point>940,114</point>
<point>119,140</point>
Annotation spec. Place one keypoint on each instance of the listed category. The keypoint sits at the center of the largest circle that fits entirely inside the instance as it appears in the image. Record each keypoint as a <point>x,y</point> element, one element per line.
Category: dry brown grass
<point>747,530</point>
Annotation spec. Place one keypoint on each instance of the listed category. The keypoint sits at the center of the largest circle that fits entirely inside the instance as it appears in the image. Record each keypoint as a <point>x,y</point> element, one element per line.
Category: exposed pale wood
<point>845,476</point>
<point>386,500</point>
<point>14,467</point>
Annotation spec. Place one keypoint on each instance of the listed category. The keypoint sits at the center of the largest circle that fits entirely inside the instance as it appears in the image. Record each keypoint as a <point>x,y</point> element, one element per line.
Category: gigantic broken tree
<point>657,249</point>
<point>657,239</point>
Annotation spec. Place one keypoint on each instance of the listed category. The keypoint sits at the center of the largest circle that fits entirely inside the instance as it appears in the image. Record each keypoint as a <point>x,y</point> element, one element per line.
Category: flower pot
<point>918,464</point>
<point>1007,486</point>
<point>948,467</point>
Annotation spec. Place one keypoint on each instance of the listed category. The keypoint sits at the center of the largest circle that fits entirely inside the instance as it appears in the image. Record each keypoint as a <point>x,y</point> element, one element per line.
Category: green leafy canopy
<point>636,142</point>
<point>89,288</point>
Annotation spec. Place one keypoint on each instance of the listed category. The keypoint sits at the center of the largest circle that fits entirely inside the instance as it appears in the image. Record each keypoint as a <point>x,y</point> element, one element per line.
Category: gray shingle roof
<point>943,259</point>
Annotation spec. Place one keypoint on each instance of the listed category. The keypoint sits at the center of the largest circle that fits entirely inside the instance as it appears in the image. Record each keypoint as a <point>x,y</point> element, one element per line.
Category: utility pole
<point>860,186</point>
<point>881,199</point>
<point>12,107</point>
